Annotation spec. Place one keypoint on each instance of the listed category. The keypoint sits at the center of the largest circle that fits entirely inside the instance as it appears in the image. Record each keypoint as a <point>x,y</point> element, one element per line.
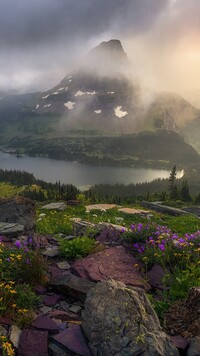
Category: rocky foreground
<point>98,305</point>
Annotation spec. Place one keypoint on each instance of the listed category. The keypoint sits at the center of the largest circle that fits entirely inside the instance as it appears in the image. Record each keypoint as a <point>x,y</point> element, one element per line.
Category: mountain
<point>99,98</point>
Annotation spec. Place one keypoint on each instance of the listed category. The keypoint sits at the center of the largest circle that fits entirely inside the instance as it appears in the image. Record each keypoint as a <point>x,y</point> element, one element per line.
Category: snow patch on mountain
<point>69,105</point>
<point>119,113</point>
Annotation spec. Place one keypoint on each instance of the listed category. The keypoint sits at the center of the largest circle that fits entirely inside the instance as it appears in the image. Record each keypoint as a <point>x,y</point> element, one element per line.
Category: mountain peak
<point>110,50</point>
<point>108,58</point>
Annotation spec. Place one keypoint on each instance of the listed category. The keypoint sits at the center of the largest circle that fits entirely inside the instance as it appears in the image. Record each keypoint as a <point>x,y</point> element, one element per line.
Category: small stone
<point>33,342</point>
<point>3,331</point>
<point>14,335</point>
<point>155,276</point>
<point>72,339</point>
<point>64,305</point>
<point>179,341</point>
<point>46,324</point>
<point>51,300</point>
<point>56,350</point>
<point>5,321</point>
<point>40,290</point>
<point>76,309</point>
<point>63,265</point>
<point>55,206</point>
<point>194,349</point>
<point>51,252</point>
<point>69,237</point>
<point>45,310</point>
<point>63,315</point>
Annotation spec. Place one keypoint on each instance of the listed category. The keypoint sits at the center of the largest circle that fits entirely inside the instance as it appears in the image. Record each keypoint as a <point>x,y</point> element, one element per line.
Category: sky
<point>43,40</point>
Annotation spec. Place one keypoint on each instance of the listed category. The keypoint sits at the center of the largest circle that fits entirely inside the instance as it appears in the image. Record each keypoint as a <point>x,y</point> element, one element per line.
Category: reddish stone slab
<point>155,276</point>
<point>51,300</point>
<point>33,343</point>
<point>179,341</point>
<point>46,324</point>
<point>73,340</point>
<point>115,263</point>
<point>5,321</point>
<point>63,315</point>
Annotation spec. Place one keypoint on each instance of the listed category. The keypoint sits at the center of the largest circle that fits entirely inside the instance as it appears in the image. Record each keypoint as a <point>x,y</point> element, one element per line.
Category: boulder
<point>155,276</point>
<point>18,210</point>
<point>115,263</point>
<point>183,317</point>
<point>120,321</point>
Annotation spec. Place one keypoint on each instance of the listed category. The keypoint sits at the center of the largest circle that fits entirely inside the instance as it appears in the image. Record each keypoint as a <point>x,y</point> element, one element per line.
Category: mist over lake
<point>80,175</point>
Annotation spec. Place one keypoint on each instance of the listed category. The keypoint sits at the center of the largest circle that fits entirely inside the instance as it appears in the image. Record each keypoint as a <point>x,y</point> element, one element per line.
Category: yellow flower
<point>1,299</point>
<point>2,337</point>
<point>12,291</point>
<point>13,305</point>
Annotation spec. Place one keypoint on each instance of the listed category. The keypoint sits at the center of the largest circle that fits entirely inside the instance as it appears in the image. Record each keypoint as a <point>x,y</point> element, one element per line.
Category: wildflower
<point>161,247</point>
<point>18,244</point>
<point>123,229</point>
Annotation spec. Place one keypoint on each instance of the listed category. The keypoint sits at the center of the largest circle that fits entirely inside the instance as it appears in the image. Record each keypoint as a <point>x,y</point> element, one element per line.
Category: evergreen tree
<point>172,187</point>
<point>185,191</point>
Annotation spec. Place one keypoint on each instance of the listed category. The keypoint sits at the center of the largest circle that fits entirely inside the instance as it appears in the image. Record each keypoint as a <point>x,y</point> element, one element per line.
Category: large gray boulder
<point>120,321</point>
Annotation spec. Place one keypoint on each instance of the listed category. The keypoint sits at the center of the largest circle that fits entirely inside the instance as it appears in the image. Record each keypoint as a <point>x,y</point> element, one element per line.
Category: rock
<point>11,229</point>
<point>183,317</point>
<point>194,349</point>
<point>63,265</point>
<point>73,286</point>
<point>51,252</point>
<point>45,310</point>
<point>102,207</point>
<point>120,321</point>
<point>57,351</point>
<point>40,290</point>
<point>55,272</point>
<point>63,315</point>
<point>33,342</point>
<point>55,206</point>
<point>132,211</point>
<point>72,339</point>
<point>14,335</point>
<point>155,276</point>
<point>179,342</point>
<point>46,324</point>
<point>18,210</point>
<point>39,241</point>
<point>157,206</point>
<point>76,309</point>
<point>64,305</point>
<point>51,300</point>
<point>110,235</point>
<point>113,263</point>
<point>3,331</point>
<point>5,321</point>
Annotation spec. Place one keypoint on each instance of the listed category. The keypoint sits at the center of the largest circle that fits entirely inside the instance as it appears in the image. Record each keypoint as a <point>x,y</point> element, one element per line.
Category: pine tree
<point>185,191</point>
<point>172,186</point>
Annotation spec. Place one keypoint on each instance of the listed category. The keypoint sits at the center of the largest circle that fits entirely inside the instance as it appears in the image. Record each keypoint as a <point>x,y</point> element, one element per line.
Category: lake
<point>78,174</point>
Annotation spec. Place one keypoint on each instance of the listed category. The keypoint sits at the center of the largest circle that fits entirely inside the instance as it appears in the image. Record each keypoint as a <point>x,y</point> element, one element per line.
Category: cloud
<point>41,40</point>
<point>38,37</point>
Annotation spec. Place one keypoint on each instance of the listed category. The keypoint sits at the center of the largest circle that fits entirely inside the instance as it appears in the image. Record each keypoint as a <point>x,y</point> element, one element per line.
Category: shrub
<point>76,248</point>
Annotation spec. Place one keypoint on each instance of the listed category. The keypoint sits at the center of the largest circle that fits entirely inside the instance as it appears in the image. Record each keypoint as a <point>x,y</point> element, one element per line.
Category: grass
<point>8,190</point>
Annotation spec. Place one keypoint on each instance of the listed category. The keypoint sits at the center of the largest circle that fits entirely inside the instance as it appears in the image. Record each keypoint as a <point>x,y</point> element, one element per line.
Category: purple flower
<point>8,259</point>
<point>27,261</point>
<point>123,229</point>
<point>18,244</point>
<point>136,246</point>
<point>161,247</point>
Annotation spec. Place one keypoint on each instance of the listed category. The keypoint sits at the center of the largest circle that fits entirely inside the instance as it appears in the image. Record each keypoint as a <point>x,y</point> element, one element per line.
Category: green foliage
<point>26,297</point>
<point>54,222</point>
<point>76,248</point>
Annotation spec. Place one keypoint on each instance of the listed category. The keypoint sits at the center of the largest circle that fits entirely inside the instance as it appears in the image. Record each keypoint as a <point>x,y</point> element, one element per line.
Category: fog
<point>42,41</point>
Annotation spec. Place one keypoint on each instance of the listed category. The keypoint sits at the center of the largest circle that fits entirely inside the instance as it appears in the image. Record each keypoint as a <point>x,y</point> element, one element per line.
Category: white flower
<point>42,215</point>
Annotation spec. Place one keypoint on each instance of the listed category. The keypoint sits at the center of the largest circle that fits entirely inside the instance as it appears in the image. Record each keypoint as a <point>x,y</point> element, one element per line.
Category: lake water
<point>78,174</point>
